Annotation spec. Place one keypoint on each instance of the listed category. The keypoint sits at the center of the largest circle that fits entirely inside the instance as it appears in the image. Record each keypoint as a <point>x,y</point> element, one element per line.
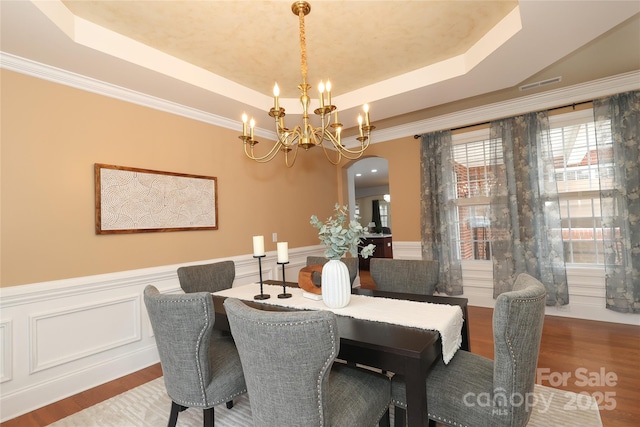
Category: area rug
<point>148,405</point>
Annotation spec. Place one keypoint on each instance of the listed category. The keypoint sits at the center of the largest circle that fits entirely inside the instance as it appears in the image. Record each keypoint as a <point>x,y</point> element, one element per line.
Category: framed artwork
<point>132,200</point>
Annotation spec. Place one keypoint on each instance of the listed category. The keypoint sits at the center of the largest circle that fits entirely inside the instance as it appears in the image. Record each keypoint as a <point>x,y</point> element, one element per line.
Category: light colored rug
<point>148,405</point>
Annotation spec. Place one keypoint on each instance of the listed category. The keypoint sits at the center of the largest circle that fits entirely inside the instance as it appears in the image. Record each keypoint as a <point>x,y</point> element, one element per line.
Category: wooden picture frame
<point>133,200</point>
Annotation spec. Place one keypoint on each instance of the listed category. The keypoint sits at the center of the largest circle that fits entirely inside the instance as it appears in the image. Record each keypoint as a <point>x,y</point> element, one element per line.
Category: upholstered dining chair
<point>351,263</point>
<point>200,371</point>
<point>415,276</point>
<point>292,380</point>
<point>211,278</point>
<point>455,392</point>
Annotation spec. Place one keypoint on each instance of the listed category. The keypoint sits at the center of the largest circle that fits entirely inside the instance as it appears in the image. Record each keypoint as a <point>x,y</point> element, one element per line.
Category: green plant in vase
<point>340,237</point>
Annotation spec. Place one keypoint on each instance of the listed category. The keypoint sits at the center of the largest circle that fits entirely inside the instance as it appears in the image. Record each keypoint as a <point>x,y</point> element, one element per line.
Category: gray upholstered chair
<point>404,275</point>
<point>212,277</point>
<point>288,360</point>
<point>457,392</point>
<point>351,263</point>
<point>199,371</point>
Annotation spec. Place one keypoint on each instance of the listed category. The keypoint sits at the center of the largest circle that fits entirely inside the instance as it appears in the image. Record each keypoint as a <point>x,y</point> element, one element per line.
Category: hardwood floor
<point>588,357</point>
<point>596,358</point>
<point>65,407</point>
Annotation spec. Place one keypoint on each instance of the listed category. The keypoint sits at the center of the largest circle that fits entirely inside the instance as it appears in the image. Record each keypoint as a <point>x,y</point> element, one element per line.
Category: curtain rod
<point>574,105</point>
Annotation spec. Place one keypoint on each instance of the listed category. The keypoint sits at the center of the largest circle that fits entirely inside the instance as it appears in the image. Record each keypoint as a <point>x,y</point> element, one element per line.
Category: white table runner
<point>444,318</point>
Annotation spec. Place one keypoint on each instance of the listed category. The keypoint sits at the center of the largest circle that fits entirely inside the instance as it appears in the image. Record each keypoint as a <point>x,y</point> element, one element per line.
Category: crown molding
<point>550,99</point>
<point>544,100</point>
<point>57,75</point>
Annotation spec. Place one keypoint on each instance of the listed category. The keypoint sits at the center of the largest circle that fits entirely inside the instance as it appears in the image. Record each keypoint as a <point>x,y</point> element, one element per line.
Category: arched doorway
<point>367,180</point>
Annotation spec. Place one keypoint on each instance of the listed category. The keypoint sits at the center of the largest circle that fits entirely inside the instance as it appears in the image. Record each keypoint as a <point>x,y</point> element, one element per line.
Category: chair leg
<point>400,417</point>
<point>208,417</point>
<point>230,404</point>
<point>385,421</point>
<point>173,416</point>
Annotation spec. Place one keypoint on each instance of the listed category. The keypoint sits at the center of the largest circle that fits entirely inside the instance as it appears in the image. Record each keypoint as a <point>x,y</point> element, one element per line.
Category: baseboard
<point>37,395</point>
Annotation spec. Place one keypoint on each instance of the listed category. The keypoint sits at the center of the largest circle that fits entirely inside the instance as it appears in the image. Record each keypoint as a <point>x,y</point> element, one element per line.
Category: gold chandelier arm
<point>346,152</point>
<point>287,162</point>
<point>334,159</point>
<point>249,152</point>
<point>342,150</point>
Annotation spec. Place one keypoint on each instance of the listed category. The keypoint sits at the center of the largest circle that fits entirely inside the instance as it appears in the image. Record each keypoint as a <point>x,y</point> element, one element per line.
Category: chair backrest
<point>207,277</point>
<point>518,317</point>
<point>286,358</point>
<point>352,264</point>
<point>405,275</point>
<point>182,326</point>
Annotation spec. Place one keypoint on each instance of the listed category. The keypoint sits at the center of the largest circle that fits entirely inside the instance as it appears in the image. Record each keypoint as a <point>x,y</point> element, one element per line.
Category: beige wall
<point>52,135</point>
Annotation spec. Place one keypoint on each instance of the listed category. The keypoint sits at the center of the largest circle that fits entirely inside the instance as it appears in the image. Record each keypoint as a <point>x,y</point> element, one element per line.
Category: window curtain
<point>526,231</point>
<point>438,219</point>
<point>618,131</point>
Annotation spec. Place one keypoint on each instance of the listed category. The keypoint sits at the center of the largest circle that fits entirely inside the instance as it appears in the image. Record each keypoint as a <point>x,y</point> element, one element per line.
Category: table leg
<point>417,395</point>
<point>466,345</point>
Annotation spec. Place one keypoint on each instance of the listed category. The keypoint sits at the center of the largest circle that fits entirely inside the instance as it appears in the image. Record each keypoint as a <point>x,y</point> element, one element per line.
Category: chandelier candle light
<point>258,252</point>
<point>327,135</point>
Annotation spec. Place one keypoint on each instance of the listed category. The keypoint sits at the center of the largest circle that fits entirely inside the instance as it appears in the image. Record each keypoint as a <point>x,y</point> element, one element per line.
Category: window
<point>580,171</point>
<point>384,213</point>
<point>472,156</point>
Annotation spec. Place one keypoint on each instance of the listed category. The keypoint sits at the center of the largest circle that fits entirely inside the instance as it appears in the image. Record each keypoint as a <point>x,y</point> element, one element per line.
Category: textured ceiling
<point>255,43</point>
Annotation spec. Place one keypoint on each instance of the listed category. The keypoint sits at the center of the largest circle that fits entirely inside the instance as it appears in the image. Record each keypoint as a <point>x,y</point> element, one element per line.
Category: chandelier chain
<point>303,47</point>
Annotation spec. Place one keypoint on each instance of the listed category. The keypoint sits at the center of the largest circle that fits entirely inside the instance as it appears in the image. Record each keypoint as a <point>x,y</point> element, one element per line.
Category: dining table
<point>393,347</point>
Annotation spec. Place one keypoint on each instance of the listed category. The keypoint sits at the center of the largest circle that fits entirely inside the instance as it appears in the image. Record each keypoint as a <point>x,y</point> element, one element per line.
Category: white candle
<point>276,94</point>
<point>366,114</point>
<point>283,252</point>
<point>258,245</point>
<point>321,90</point>
<point>244,125</point>
<point>360,124</point>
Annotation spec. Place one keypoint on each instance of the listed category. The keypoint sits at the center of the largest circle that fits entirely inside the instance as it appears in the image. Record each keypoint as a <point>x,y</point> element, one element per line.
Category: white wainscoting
<point>62,337</point>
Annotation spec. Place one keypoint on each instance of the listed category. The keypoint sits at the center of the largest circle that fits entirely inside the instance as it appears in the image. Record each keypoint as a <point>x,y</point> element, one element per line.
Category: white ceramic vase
<point>336,284</point>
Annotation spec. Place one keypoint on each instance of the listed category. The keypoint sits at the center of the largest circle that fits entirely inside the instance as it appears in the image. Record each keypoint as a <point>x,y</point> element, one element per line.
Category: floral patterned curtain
<point>438,213</point>
<point>618,135</point>
<point>526,231</point>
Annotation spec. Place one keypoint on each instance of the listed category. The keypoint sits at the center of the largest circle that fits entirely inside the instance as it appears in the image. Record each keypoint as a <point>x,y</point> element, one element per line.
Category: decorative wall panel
<point>69,334</point>
<point>6,350</point>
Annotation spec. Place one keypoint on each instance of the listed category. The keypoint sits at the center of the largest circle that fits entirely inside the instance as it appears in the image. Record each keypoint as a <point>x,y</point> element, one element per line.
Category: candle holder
<point>284,293</point>
<point>261,295</point>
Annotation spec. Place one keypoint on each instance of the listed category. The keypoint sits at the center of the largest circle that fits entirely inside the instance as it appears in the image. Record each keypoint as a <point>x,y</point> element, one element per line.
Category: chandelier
<point>305,135</point>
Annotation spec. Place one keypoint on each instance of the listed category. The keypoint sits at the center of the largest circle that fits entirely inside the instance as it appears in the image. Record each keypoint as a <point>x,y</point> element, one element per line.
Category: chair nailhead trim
<point>198,342</point>
<point>445,420</point>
